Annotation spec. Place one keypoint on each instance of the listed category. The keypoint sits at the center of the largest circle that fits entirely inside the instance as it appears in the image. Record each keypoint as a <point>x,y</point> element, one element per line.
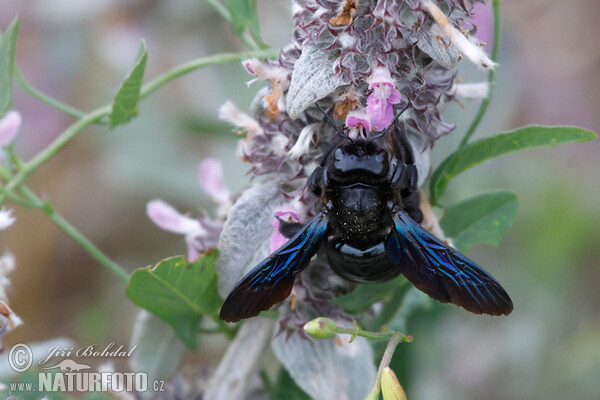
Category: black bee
<point>370,225</point>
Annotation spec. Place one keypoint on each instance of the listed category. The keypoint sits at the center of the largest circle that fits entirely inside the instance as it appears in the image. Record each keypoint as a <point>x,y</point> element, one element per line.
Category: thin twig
<point>385,362</point>
<point>491,78</point>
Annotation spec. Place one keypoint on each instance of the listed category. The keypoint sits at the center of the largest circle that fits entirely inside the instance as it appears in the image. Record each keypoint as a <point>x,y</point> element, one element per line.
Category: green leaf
<point>481,219</point>
<point>125,106</point>
<point>244,15</point>
<point>365,295</point>
<point>484,149</point>
<point>8,45</point>
<point>179,293</point>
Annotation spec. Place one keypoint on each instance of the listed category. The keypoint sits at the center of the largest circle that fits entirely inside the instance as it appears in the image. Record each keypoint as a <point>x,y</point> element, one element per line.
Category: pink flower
<point>286,213</point>
<point>358,119</point>
<point>211,179</point>
<point>200,234</point>
<point>9,127</point>
<point>380,102</point>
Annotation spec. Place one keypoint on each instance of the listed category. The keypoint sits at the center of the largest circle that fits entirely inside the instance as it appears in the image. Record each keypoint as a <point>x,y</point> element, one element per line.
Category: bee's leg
<point>318,180</point>
<point>405,178</point>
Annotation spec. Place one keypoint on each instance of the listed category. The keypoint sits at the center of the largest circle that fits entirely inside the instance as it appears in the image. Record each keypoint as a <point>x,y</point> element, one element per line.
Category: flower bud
<point>320,328</point>
<point>391,388</point>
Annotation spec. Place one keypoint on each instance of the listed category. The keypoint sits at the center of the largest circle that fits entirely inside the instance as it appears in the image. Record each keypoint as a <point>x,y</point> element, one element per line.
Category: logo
<point>69,375</point>
<point>20,357</point>
<point>69,366</point>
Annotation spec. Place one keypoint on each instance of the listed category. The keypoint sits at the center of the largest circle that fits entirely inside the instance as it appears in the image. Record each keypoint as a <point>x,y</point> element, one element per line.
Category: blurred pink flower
<point>358,119</point>
<point>212,181</point>
<point>9,127</point>
<point>382,98</point>
<point>288,214</point>
<point>200,234</point>
<point>483,18</point>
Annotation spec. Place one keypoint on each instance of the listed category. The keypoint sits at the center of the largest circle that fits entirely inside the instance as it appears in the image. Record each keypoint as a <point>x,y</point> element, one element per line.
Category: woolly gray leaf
<point>429,43</point>
<point>326,370</point>
<point>158,351</point>
<point>245,239</point>
<point>232,378</point>
<point>313,78</point>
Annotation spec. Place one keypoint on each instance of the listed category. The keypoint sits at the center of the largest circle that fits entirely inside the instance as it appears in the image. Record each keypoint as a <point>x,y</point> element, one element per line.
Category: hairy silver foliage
<point>241,361</point>
<point>313,78</point>
<point>246,234</point>
<point>325,369</point>
<point>158,350</point>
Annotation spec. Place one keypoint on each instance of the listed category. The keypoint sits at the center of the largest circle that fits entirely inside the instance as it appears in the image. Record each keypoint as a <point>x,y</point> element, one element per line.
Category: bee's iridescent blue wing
<point>271,281</point>
<point>442,272</point>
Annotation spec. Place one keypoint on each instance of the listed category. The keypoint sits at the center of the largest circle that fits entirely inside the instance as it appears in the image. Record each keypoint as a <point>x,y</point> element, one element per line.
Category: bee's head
<point>359,157</point>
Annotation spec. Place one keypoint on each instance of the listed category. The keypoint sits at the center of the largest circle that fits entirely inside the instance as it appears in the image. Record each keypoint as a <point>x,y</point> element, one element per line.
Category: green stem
<point>374,335</point>
<point>385,362</point>
<point>65,108</point>
<point>199,63</point>
<point>33,201</point>
<point>220,9</point>
<point>63,139</point>
<point>152,85</point>
<point>4,194</point>
<point>77,236</point>
<point>491,78</point>
<point>224,12</point>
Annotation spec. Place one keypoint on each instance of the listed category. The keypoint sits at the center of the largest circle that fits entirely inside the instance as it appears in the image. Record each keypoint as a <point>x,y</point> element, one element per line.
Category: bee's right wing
<point>442,272</point>
<point>271,281</point>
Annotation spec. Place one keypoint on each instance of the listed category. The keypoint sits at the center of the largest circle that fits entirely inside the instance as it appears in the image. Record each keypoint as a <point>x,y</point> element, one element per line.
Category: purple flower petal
<point>483,18</point>
<point>211,180</point>
<point>286,213</point>
<point>357,119</point>
<point>193,253</point>
<point>380,101</point>
<point>380,76</point>
<point>9,127</point>
<point>169,219</point>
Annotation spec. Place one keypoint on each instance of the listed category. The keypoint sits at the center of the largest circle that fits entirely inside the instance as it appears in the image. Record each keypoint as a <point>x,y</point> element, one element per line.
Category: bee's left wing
<point>271,281</point>
<point>442,272</point>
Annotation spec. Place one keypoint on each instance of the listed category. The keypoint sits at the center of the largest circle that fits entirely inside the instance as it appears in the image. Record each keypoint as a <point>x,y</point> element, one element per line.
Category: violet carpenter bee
<point>369,223</point>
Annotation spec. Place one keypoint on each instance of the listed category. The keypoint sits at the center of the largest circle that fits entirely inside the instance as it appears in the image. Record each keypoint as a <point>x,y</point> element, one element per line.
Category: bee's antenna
<point>397,116</point>
<point>329,121</point>
<point>390,126</point>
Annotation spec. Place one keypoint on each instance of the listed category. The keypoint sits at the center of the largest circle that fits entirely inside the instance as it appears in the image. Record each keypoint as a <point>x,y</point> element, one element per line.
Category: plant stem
<point>77,236</point>
<point>152,85</point>
<point>224,12</point>
<point>65,108</point>
<point>199,63</point>
<point>4,194</point>
<point>64,138</point>
<point>385,362</point>
<point>33,201</point>
<point>4,174</point>
<point>374,335</point>
<point>491,78</point>
<point>60,142</point>
<point>220,9</point>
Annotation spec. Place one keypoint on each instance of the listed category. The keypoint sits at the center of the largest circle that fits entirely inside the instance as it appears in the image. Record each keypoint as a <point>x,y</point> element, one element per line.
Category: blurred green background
<point>549,262</point>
